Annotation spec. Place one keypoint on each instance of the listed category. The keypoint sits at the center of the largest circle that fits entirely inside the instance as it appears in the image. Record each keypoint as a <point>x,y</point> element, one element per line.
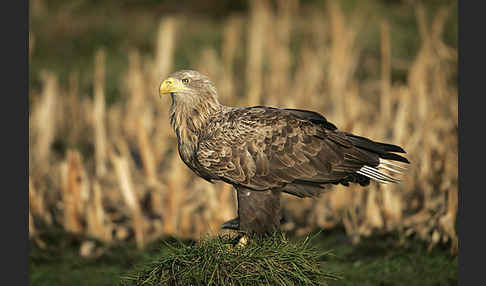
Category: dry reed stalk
<point>176,192</point>
<point>164,57</point>
<point>442,70</point>
<point>95,215</point>
<point>44,120</point>
<point>225,207</point>
<point>427,58</point>
<point>194,215</point>
<point>297,212</point>
<point>418,75</point>
<point>321,213</point>
<point>99,116</point>
<point>343,57</point>
<point>74,111</point>
<point>350,221</point>
<point>114,121</point>
<point>448,222</point>
<point>213,214</point>
<point>151,153</point>
<point>372,217</point>
<point>163,63</point>
<point>157,199</point>
<point>278,42</point>
<point>86,107</point>
<point>135,105</point>
<point>392,206</point>
<point>339,199</point>
<point>319,36</point>
<point>385,96</point>
<point>188,222</point>
<point>162,137</point>
<point>311,61</point>
<point>127,189</point>
<point>144,145</point>
<point>259,18</point>
<point>231,43</point>
<point>164,50</point>
<point>357,111</point>
<point>443,51</point>
<point>198,215</point>
<point>74,191</point>
<point>308,78</point>
<point>451,167</point>
<point>401,119</point>
<point>210,65</point>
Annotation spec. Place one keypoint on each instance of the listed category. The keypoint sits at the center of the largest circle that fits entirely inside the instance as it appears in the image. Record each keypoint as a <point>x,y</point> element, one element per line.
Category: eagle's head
<point>194,103</point>
<point>189,87</point>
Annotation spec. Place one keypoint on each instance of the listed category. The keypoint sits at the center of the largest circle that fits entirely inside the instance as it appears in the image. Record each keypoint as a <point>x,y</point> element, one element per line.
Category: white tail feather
<point>377,175</point>
<point>371,177</point>
<point>382,175</point>
<point>390,163</point>
<point>388,168</point>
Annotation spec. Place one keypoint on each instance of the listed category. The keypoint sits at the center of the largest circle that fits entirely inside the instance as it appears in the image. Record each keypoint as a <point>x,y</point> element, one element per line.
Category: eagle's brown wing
<point>297,151</point>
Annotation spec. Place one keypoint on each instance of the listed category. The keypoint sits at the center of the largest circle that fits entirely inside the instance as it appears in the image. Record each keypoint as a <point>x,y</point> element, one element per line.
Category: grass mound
<point>273,260</point>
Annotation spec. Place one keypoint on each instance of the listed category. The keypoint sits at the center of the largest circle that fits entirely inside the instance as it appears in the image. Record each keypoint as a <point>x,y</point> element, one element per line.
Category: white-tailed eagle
<point>263,151</point>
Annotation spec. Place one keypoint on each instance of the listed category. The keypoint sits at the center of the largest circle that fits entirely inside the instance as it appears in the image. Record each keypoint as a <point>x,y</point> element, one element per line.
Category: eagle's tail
<point>382,176</point>
<point>389,162</point>
<point>367,160</point>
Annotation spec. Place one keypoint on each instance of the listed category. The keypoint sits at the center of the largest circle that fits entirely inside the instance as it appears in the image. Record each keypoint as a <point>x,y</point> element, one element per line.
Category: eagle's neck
<point>189,121</point>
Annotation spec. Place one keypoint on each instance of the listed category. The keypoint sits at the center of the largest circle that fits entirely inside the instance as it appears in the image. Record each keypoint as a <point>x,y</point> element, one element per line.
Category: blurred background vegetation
<point>67,33</point>
<point>103,173</point>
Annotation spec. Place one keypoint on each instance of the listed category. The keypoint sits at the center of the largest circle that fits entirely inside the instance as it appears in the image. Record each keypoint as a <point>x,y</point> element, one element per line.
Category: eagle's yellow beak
<point>171,85</point>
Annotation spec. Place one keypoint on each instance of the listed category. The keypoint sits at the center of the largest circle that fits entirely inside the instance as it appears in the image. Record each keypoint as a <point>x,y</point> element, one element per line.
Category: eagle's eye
<point>185,81</point>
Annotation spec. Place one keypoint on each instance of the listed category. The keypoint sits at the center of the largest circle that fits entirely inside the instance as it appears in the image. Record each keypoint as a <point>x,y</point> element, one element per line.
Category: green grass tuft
<point>273,260</point>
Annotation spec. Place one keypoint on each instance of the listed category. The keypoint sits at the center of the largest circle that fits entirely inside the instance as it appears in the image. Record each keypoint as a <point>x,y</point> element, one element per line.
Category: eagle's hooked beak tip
<point>169,85</point>
<point>163,88</point>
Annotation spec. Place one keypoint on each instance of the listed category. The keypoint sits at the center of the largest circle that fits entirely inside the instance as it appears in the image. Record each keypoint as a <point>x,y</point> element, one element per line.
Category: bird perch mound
<point>272,260</point>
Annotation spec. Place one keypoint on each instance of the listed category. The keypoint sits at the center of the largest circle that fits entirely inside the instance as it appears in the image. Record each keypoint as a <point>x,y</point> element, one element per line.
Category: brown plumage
<point>263,151</point>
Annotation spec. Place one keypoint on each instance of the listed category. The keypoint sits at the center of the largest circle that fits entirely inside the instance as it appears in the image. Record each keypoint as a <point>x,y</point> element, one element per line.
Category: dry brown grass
<point>113,193</point>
